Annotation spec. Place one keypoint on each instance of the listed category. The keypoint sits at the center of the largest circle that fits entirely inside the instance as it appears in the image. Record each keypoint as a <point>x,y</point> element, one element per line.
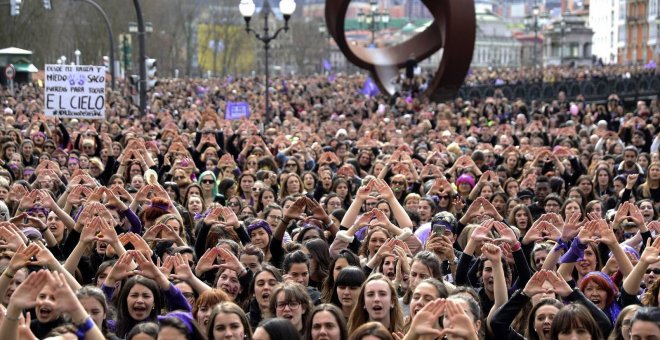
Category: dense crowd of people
<point>552,74</point>
<point>338,216</point>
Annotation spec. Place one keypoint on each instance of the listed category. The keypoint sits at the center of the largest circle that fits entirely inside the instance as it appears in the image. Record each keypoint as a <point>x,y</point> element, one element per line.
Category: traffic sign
<point>10,72</point>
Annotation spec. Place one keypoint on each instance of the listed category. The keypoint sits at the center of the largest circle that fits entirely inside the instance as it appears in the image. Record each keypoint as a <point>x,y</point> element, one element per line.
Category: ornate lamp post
<point>247,9</point>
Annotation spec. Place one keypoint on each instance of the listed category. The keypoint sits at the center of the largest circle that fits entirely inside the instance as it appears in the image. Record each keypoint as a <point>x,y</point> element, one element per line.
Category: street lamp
<point>247,9</point>
<point>140,30</point>
<point>77,53</point>
<point>535,13</point>
<point>63,58</point>
<point>374,19</point>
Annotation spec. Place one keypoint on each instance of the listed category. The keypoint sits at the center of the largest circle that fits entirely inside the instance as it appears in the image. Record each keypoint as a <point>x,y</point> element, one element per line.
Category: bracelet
<point>6,273</point>
<point>84,328</point>
<point>516,247</point>
<point>7,317</point>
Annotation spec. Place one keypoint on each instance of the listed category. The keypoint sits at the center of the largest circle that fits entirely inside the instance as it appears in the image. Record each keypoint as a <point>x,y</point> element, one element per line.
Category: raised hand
<point>107,233</point>
<point>139,244</point>
<point>182,270</point>
<point>296,210</point>
<point>22,258</point>
<point>12,237</point>
<point>229,217</point>
<point>44,257</point>
<point>651,253</point>
<point>535,284</point>
<point>379,215</point>
<point>636,215</point>
<point>457,322</point>
<point>550,232</point>
<point>113,199</point>
<point>364,219</point>
<point>387,249</point>
<point>489,209</point>
<point>482,233</point>
<point>384,190</point>
<point>606,234</point>
<point>149,269</point>
<point>317,211</point>
<point>425,322</point>
<point>560,285</point>
<point>230,261</point>
<point>473,211</point>
<point>364,191</point>
<point>654,226</point>
<point>89,232</point>
<point>491,252</point>
<point>571,227</point>
<point>506,234</point>
<point>535,233</point>
<point>621,214</point>
<point>25,296</point>
<point>587,233</point>
<point>213,216</point>
<point>207,262</point>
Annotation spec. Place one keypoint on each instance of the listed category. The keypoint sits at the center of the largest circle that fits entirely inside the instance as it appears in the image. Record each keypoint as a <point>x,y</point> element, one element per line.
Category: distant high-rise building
<point>603,20</point>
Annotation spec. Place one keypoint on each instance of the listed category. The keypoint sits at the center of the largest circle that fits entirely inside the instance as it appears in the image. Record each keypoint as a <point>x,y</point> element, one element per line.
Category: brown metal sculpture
<point>453,30</point>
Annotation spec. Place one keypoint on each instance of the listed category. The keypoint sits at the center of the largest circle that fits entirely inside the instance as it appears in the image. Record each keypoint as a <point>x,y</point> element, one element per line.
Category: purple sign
<point>237,110</point>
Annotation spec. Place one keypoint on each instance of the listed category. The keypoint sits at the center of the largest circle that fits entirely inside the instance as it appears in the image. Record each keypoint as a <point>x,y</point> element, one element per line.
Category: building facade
<point>603,20</point>
<point>495,45</point>
<point>568,41</point>
<point>639,25</point>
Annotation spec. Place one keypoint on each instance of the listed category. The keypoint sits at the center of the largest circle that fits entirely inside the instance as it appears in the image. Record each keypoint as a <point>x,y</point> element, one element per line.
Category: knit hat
<point>465,178</point>
<point>259,224</point>
<point>185,317</point>
<point>445,219</point>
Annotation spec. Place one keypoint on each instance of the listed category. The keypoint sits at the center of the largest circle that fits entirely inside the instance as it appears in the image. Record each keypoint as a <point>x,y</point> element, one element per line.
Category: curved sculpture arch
<point>453,30</point>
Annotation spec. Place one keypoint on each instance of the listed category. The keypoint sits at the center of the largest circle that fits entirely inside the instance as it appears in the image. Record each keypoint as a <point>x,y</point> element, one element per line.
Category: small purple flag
<point>327,65</point>
<point>370,88</point>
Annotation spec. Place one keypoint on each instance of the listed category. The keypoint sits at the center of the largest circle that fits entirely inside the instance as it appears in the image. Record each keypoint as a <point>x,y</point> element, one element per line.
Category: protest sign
<point>75,91</point>
<point>237,110</point>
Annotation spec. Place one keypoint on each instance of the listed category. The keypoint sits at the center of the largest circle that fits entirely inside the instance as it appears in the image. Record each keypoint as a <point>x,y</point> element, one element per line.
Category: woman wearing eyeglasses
<point>290,301</point>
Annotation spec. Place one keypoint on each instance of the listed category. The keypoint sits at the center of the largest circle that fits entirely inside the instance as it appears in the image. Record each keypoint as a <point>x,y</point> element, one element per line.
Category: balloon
<point>574,109</point>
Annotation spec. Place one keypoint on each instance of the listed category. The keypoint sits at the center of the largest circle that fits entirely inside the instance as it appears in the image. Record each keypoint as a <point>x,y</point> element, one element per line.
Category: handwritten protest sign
<point>237,110</point>
<point>75,91</point>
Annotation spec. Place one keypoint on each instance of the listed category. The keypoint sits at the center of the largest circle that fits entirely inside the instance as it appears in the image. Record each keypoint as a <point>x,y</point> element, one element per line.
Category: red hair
<point>156,209</point>
<point>612,290</point>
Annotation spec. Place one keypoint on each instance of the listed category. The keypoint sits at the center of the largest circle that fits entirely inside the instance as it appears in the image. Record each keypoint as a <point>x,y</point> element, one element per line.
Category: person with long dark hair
<point>275,329</point>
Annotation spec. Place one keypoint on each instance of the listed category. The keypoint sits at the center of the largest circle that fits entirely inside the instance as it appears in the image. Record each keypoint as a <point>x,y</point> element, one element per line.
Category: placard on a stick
<point>75,91</point>
<point>237,110</point>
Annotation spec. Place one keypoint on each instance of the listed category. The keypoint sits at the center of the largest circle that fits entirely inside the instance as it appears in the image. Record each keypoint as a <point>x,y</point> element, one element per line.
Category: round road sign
<point>10,71</point>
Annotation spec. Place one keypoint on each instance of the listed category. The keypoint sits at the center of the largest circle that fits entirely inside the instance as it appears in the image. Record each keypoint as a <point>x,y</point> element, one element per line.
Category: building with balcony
<point>638,31</point>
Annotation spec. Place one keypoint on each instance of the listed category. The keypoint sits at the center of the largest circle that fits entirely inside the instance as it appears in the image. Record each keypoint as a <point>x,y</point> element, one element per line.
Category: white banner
<point>75,91</point>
